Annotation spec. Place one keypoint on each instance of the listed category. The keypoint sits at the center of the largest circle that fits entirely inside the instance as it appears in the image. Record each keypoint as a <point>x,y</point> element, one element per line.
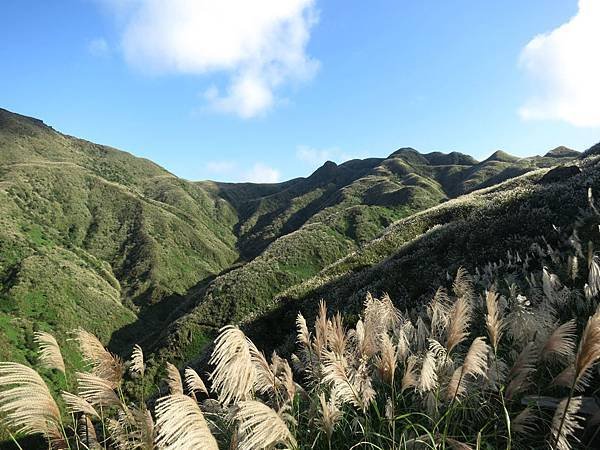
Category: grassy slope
<point>96,237</point>
<point>90,235</point>
<point>417,252</point>
<point>355,202</point>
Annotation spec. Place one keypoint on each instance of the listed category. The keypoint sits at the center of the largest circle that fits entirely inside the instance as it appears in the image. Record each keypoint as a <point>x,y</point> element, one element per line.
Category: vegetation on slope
<point>170,261</point>
<point>90,235</point>
<point>505,358</point>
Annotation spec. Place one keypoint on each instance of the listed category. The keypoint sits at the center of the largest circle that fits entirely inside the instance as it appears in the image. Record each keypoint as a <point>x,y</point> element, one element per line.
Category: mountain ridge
<point>184,258</point>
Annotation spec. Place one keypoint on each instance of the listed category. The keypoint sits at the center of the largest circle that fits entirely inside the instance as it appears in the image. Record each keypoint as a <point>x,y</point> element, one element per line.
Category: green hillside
<point>348,218</point>
<point>412,255</point>
<point>92,236</point>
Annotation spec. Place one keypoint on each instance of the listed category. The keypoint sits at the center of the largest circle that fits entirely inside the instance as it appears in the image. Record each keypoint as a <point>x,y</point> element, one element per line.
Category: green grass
<point>93,236</point>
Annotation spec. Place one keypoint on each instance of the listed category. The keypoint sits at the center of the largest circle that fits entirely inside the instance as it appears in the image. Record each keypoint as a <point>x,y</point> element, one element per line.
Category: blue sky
<point>221,90</point>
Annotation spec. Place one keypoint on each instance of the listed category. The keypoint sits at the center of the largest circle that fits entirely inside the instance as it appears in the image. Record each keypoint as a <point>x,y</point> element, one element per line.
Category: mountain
<point>95,237</point>
<point>91,235</point>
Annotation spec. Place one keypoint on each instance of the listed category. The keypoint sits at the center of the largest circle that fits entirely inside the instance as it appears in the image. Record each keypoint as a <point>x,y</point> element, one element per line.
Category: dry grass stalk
<point>458,323</point>
<point>86,434</point>
<point>137,361</point>
<point>387,360</point>
<point>26,404</point>
<point>329,414</point>
<point>49,353</point>
<point>410,379</point>
<point>76,404</point>
<point>103,363</point>
<point>588,352</point>
<point>193,382</point>
<point>261,427</point>
<point>524,422</point>
<point>561,343</point>
<point>174,380</point>
<point>97,391</point>
<point>475,364</point>
<point>336,335</point>
<point>521,371</point>
<point>493,320</point>
<point>234,374</point>
<point>428,380</point>
<point>181,425</point>
<point>565,423</point>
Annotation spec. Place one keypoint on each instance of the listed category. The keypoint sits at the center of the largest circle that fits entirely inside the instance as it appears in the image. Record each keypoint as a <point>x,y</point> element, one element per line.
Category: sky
<point>268,90</point>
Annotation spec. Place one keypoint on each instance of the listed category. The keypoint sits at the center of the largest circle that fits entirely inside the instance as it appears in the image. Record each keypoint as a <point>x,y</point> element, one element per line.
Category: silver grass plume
<point>561,342</point>
<point>137,361</point>
<point>133,429</point>
<point>428,380</point>
<point>193,382</point>
<point>524,422</point>
<point>103,363</point>
<point>336,335</point>
<point>76,404</point>
<point>174,379</point>
<point>341,377</point>
<point>588,352</point>
<point>520,373</point>
<point>439,313</point>
<point>181,425</point>
<point>96,390</point>
<point>234,374</point>
<point>329,413</point>
<point>410,379</point>
<point>458,325</point>
<point>593,284</point>
<point>49,354</point>
<point>387,360</point>
<point>26,404</point>
<point>565,423</point>
<point>475,364</point>
<point>493,319</point>
<point>261,427</point>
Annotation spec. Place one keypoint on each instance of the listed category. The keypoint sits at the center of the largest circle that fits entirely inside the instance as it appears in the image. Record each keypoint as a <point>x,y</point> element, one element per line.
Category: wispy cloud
<point>565,66</point>
<point>261,173</point>
<point>98,47</point>
<point>260,45</point>
<point>256,173</point>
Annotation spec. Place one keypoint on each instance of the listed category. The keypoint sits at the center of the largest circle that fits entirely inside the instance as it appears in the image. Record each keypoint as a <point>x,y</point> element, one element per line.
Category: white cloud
<point>98,47</point>
<point>261,173</point>
<point>259,44</point>
<point>566,67</point>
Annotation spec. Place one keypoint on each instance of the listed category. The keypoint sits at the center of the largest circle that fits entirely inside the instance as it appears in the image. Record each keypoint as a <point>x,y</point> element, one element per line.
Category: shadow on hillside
<point>155,318</point>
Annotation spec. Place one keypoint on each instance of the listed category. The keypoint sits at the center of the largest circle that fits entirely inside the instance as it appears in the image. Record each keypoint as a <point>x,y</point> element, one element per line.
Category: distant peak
<point>501,156</point>
<point>403,151</point>
<point>562,152</point>
<point>7,116</point>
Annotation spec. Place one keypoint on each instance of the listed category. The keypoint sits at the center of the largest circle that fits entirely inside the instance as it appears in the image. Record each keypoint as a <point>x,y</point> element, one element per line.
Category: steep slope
<point>95,237</point>
<point>420,251</point>
<point>90,235</point>
<point>347,218</point>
